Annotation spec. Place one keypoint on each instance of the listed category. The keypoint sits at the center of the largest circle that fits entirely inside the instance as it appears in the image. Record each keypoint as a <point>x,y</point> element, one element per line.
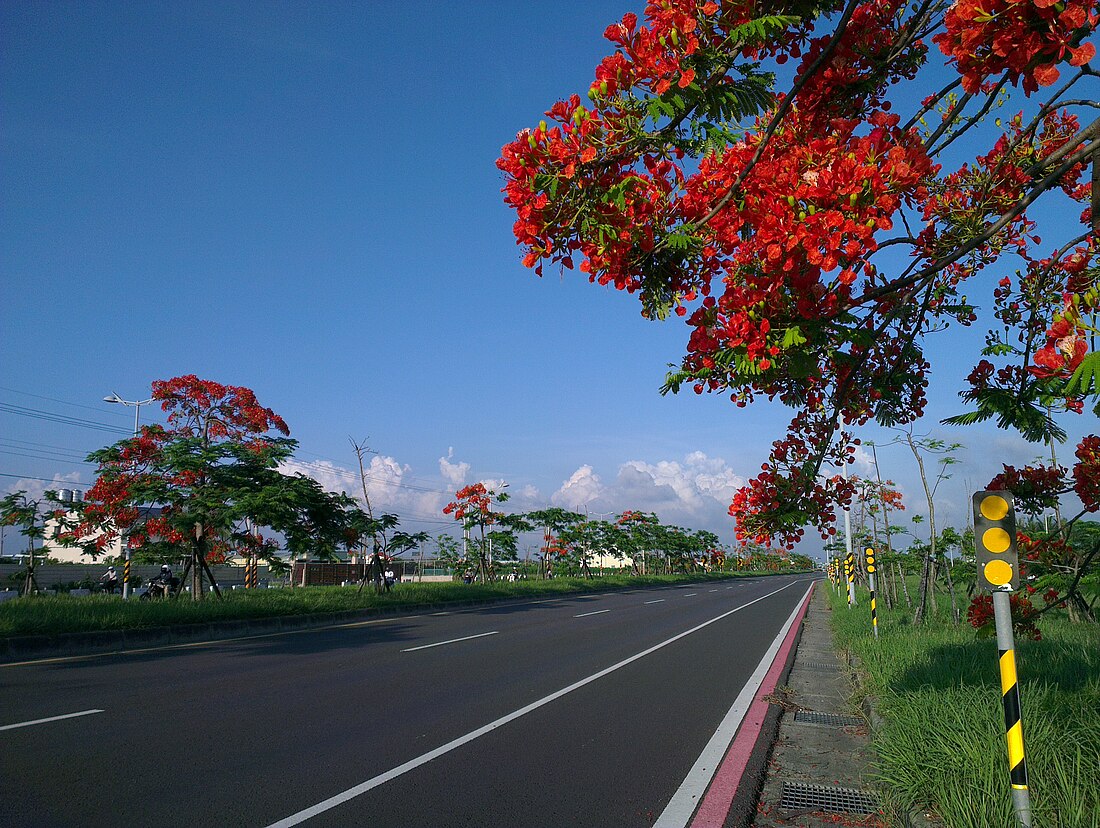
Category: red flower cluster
<point>201,407</point>
<point>473,500</point>
<point>980,614</point>
<point>1086,473</point>
<point>1026,39</point>
<point>1034,488</point>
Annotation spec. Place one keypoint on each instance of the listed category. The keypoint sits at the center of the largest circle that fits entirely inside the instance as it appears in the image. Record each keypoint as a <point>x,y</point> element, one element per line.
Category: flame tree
<point>187,488</point>
<point>815,196</point>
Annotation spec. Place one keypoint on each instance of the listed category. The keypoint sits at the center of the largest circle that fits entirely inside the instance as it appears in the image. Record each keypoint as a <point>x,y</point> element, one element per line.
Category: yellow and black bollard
<point>998,572</point>
<point>1010,698</point>
<point>850,572</point>
<point>871,583</point>
<point>126,576</point>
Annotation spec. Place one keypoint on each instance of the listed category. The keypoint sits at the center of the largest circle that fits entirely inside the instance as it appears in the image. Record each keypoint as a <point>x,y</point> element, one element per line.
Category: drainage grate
<point>798,796</point>
<point>812,717</point>
<point>819,665</point>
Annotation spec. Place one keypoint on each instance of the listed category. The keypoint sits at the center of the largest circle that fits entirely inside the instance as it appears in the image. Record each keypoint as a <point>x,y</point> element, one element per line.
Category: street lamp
<point>137,404</point>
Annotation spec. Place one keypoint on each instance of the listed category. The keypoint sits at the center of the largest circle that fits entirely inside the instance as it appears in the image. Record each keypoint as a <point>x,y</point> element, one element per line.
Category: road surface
<point>574,711</point>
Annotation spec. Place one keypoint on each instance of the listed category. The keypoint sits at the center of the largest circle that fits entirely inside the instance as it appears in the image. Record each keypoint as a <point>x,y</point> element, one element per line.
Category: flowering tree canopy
<point>203,483</point>
<point>815,195</point>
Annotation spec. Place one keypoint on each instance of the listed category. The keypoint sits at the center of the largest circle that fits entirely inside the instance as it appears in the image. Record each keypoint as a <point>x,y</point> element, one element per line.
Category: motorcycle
<point>160,589</point>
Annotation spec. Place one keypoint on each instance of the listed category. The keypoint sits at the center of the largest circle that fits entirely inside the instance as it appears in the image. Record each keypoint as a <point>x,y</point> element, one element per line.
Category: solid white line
<point>51,719</point>
<point>451,641</point>
<point>586,614</point>
<point>412,764</point>
<point>658,601</point>
<point>678,812</point>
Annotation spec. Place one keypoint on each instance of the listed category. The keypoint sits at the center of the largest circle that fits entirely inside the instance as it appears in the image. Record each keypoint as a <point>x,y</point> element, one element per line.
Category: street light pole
<point>137,404</point>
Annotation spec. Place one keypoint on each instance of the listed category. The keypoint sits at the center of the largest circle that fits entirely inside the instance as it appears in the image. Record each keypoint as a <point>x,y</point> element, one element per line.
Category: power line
<point>46,479</point>
<point>55,457</point>
<point>38,414</point>
<point>63,402</point>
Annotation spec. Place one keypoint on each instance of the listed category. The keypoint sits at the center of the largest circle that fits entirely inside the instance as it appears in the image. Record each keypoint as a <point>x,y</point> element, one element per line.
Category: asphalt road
<point>256,732</point>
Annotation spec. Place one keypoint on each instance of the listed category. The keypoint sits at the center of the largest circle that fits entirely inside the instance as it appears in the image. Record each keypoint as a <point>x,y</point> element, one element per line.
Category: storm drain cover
<point>819,665</point>
<point>812,717</point>
<point>799,796</point>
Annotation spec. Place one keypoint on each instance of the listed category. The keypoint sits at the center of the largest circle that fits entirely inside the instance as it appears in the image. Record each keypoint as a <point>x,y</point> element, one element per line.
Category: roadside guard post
<point>126,575</point>
<point>871,583</point>
<point>850,572</point>
<point>998,572</point>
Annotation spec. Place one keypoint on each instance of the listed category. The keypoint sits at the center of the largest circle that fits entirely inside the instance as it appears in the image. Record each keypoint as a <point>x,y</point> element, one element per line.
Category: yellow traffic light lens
<point>996,540</point>
<point>994,507</point>
<point>998,573</point>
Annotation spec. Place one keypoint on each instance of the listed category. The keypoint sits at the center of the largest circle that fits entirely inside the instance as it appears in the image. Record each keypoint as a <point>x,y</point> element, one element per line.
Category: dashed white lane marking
<point>449,641</point>
<point>585,614</point>
<point>50,719</point>
<point>412,764</point>
<point>658,601</point>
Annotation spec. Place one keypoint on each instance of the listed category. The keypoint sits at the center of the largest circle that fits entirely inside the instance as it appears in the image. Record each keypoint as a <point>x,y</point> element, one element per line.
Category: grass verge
<point>941,747</point>
<point>44,615</point>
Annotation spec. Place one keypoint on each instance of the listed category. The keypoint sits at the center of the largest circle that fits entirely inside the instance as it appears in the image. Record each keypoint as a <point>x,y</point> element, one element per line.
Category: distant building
<point>76,554</point>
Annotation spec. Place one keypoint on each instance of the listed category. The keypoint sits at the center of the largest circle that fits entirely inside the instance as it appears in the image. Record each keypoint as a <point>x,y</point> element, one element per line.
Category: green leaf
<point>793,336</point>
<point>1084,382</point>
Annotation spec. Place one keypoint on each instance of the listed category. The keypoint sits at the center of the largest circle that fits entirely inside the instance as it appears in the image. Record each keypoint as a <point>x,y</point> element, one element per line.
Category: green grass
<point>43,615</point>
<point>942,745</point>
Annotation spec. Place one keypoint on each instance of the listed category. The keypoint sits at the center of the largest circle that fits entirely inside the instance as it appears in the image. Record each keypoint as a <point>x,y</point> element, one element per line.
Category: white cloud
<point>583,487</point>
<point>35,489</point>
<point>453,473</point>
<point>695,491</point>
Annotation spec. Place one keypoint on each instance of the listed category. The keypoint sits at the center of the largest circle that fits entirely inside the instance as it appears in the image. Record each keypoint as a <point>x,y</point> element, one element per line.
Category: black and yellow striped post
<point>250,573</point>
<point>871,584</point>
<point>126,576</point>
<point>1010,698</point>
<point>998,572</point>
<point>850,572</point>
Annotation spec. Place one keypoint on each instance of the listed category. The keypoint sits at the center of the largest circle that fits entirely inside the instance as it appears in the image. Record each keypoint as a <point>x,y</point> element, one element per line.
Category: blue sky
<point>302,199</point>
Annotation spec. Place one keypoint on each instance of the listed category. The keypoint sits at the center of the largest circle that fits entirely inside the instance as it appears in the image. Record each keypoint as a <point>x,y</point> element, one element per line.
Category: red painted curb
<point>716,804</point>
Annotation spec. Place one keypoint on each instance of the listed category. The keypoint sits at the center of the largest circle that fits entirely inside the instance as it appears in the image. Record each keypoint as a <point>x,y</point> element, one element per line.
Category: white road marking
<point>586,614</point>
<point>51,719</point>
<point>413,764</point>
<point>451,641</point>
<point>678,812</point>
<point>658,601</point>
<point>690,594</point>
<point>713,590</point>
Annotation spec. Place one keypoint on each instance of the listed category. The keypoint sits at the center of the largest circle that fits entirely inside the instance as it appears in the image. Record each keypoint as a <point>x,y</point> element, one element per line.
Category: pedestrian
<point>109,580</point>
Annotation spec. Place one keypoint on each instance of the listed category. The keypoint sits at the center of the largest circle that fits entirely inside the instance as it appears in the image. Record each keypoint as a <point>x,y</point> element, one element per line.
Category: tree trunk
<point>904,585</point>
<point>922,589</point>
<point>955,616</point>
<point>198,553</point>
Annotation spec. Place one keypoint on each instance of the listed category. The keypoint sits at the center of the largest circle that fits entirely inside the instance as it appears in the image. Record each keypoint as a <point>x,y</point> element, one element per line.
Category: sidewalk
<point>817,774</point>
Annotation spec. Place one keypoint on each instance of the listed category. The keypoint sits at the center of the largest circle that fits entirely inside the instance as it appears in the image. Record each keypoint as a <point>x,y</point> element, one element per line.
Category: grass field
<point>942,745</point>
<point>47,615</point>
